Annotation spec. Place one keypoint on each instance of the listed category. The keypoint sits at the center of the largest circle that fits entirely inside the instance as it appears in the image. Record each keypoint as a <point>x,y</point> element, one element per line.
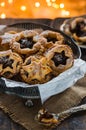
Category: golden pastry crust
<point>76,28</point>
<point>59,58</point>
<point>10,63</point>
<point>12,32</point>
<point>52,37</point>
<point>29,42</point>
<point>79,39</point>
<point>76,21</point>
<point>6,39</point>
<point>35,70</point>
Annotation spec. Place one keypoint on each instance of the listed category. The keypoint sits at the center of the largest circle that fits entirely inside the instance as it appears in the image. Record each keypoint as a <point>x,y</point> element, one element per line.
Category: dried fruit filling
<point>26,43</point>
<point>59,58</point>
<point>6,61</point>
<point>79,29</point>
<point>51,39</point>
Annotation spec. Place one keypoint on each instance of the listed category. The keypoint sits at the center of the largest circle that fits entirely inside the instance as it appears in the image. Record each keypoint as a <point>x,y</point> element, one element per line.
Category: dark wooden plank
<point>7,124</point>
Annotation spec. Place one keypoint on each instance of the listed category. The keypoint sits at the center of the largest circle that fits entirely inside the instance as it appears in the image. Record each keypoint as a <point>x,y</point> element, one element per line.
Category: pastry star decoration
<point>38,69</point>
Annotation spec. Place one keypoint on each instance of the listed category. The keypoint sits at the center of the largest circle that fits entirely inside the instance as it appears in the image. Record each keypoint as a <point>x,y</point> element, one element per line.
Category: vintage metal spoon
<point>51,119</point>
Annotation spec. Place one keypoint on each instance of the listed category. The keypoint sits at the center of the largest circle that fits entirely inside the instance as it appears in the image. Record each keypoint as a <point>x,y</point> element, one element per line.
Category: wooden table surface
<point>75,122</point>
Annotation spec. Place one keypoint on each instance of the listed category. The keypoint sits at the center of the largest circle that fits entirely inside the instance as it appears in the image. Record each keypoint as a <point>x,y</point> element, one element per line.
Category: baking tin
<point>32,91</point>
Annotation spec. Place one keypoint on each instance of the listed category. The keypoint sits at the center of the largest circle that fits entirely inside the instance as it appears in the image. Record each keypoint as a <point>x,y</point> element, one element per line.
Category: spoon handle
<point>70,111</point>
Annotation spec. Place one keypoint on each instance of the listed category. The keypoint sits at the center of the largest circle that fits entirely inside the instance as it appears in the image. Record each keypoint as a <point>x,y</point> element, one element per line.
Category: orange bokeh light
<point>23,8</point>
<point>2,4</point>
<point>3,16</point>
<point>37,4</point>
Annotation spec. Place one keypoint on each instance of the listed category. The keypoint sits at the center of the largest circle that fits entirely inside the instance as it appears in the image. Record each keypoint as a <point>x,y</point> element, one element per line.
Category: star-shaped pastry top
<point>38,69</point>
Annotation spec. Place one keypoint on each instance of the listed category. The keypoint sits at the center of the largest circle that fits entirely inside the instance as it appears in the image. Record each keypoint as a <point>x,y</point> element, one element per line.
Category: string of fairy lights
<point>37,4</point>
<point>60,6</point>
<point>14,8</point>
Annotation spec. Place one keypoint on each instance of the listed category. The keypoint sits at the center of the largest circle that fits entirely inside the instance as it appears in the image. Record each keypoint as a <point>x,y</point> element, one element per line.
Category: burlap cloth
<point>16,109</point>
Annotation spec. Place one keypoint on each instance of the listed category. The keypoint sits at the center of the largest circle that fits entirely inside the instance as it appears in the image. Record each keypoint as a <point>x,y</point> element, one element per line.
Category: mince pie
<point>52,37</point>
<point>29,42</point>
<point>59,58</point>
<point>10,63</point>
<point>6,39</point>
<point>76,27</point>
<point>35,70</point>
